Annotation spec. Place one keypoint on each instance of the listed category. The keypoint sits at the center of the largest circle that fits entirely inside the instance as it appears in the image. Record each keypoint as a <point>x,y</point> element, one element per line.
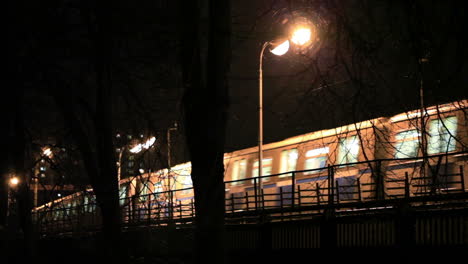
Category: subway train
<point>415,153</point>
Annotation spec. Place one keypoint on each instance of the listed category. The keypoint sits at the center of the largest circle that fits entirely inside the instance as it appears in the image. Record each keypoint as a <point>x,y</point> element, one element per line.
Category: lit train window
<point>316,159</point>
<point>288,161</point>
<point>348,150</point>
<point>442,134</point>
<point>158,189</point>
<point>186,182</point>
<point>407,144</point>
<point>266,168</point>
<point>122,194</point>
<point>239,170</point>
<point>144,190</point>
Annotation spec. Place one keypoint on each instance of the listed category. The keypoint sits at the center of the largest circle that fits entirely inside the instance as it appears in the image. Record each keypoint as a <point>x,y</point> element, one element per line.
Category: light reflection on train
<point>297,170</point>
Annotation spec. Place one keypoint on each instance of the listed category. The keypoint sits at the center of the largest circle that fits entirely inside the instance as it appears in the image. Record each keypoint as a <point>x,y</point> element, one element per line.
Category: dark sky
<point>362,64</point>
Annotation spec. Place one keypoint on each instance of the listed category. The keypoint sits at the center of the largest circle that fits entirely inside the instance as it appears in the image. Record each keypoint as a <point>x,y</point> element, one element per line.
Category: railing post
<point>337,192</point>
<point>358,182</point>
<point>293,189</point>
<point>192,209</point>
<point>247,206</point>
<point>407,187</point>
<point>262,199</point>
<point>281,199</point>
<point>331,185</point>
<point>171,206</point>
<point>232,203</point>
<point>462,180</point>
<point>180,210</point>
<point>299,202</point>
<point>379,189</point>
<point>149,208</point>
<point>255,193</point>
<point>317,192</point>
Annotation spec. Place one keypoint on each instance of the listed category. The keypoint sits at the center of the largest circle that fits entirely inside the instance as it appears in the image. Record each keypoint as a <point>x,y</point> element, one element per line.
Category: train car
<point>409,154</point>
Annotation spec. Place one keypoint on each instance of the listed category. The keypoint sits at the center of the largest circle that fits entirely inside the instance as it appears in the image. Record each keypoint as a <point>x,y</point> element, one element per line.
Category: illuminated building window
<point>288,161</point>
<point>442,134</point>
<point>407,144</point>
<point>266,168</point>
<point>316,159</point>
<point>348,150</point>
<point>239,171</point>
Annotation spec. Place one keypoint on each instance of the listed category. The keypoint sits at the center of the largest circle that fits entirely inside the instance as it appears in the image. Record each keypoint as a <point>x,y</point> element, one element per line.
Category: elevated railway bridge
<point>423,210</point>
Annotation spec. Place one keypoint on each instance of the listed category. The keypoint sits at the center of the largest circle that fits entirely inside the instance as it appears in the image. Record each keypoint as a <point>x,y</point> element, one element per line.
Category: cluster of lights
<point>47,152</point>
<point>148,144</point>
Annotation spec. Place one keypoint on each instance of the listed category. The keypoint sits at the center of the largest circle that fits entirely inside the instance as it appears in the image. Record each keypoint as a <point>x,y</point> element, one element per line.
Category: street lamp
<point>300,36</point>
<point>14,181</point>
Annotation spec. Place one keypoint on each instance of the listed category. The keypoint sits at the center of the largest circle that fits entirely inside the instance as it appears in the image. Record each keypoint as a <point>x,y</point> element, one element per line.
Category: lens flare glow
<point>301,36</point>
<point>281,49</point>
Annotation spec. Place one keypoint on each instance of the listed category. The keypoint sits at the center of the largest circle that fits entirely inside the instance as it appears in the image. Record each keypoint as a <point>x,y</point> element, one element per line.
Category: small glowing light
<point>301,36</point>
<point>14,181</point>
<point>142,171</point>
<point>117,136</point>
<point>59,195</point>
<point>47,152</point>
<point>281,49</point>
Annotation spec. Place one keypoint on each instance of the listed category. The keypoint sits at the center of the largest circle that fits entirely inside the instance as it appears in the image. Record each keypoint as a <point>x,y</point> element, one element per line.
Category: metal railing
<point>285,196</point>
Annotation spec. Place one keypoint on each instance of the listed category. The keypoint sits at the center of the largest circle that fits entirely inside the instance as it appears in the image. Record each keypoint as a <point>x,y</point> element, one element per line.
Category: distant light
<point>59,195</point>
<point>281,49</point>
<point>47,152</point>
<point>117,136</point>
<point>142,171</point>
<point>14,181</point>
<point>136,149</point>
<point>149,143</point>
<point>301,36</point>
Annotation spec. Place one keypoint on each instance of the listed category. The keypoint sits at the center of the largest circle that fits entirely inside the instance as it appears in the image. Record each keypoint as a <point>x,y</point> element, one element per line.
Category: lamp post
<point>300,36</point>
<point>169,155</point>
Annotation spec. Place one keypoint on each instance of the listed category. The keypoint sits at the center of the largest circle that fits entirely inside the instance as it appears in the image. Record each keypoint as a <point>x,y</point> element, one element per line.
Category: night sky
<point>363,63</point>
<point>368,69</point>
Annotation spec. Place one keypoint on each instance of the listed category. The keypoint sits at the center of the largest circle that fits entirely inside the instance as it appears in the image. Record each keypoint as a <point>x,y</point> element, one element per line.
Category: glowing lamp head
<point>301,36</point>
<point>281,49</point>
<point>14,181</point>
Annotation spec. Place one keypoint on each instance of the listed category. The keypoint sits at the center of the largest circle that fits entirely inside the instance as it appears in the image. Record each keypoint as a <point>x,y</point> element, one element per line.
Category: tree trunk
<point>22,193</point>
<point>205,65</point>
